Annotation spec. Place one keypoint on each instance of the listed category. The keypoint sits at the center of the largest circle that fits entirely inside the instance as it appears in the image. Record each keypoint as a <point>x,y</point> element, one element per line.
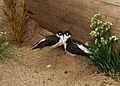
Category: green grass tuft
<point>6,50</point>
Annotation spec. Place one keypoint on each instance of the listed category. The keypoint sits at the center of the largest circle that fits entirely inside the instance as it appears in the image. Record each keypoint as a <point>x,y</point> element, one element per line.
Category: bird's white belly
<point>70,53</point>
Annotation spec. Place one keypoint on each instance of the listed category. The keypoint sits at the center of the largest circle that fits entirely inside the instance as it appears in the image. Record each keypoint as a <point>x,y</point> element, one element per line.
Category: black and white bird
<point>73,47</point>
<point>50,40</point>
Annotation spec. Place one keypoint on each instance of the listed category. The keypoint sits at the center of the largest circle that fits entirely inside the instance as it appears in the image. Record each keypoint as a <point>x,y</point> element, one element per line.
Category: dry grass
<point>15,19</point>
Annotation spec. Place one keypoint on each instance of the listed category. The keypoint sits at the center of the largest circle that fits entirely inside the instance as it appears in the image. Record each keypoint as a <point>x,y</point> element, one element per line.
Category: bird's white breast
<point>59,43</point>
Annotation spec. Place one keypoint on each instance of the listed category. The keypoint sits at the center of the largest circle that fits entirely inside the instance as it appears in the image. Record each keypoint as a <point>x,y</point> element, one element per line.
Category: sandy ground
<point>65,70</point>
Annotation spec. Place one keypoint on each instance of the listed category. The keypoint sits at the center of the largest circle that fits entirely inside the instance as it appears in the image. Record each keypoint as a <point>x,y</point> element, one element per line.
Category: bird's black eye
<point>67,33</point>
<point>60,33</point>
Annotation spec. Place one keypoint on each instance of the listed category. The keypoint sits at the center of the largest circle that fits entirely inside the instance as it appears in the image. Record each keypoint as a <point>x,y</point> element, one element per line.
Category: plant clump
<point>105,54</point>
<point>15,18</point>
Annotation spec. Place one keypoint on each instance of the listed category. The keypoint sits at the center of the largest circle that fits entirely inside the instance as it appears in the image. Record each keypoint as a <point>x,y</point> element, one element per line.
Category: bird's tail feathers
<point>84,49</point>
<point>39,45</point>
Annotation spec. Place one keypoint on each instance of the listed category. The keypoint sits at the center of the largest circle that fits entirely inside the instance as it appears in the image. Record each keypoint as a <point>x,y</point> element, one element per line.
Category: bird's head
<point>67,35</point>
<point>60,34</point>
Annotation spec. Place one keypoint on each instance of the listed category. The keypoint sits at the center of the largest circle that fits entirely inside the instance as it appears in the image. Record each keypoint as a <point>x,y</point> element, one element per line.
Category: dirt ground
<point>50,67</point>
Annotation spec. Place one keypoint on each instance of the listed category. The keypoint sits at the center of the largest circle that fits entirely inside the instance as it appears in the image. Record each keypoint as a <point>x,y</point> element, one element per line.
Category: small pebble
<point>36,71</point>
<point>48,66</point>
<point>66,72</point>
<point>50,78</point>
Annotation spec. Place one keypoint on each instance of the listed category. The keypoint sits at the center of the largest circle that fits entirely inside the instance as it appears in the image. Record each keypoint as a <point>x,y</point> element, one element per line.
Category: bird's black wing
<point>79,42</point>
<point>74,49</point>
<point>40,45</point>
<point>49,41</point>
<point>52,40</point>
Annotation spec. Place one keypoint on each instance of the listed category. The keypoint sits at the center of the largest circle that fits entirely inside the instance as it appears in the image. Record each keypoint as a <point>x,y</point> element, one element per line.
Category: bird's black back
<point>73,48</point>
<point>50,40</point>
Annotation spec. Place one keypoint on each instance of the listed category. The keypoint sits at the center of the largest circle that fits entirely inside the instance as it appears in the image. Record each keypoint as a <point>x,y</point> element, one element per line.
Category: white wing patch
<point>84,49</point>
<point>40,41</point>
